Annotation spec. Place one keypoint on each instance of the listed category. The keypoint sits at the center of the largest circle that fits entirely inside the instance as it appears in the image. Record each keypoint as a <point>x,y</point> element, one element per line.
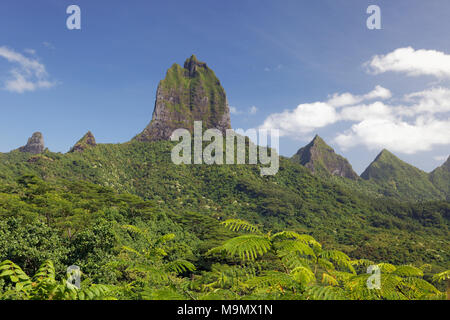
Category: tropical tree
<point>311,272</point>
<point>44,285</point>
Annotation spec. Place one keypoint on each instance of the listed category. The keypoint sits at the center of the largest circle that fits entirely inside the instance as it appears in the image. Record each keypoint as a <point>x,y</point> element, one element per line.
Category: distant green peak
<point>319,143</point>
<point>320,158</point>
<point>317,139</point>
<point>385,155</point>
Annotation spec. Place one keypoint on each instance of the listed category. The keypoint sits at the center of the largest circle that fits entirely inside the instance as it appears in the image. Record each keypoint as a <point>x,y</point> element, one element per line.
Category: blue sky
<point>271,57</point>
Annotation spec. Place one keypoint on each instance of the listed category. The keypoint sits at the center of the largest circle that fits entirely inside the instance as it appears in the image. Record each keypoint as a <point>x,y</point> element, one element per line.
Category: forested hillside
<point>98,209</point>
<point>141,227</point>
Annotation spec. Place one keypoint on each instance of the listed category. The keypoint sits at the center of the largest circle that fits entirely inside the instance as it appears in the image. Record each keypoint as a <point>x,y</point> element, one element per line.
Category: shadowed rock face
<point>87,141</point>
<point>321,159</point>
<point>35,144</point>
<point>188,94</point>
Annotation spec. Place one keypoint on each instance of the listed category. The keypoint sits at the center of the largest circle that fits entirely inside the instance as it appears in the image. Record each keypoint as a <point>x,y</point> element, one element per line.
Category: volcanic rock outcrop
<point>35,144</point>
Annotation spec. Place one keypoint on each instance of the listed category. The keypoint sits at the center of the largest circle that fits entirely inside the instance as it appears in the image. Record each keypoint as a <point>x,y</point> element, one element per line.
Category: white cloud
<point>344,99</point>
<point>308,117</point>
<point>410,127</point>
<point>28,74</point>
<point>277,68</point>
<point>412,62</point>
<point>234,110</point>
<point>303,119</point>
<point>434,100</point>
<point>397,135</point>
<point>48,45</point>
<point>30,51</point>
<point>376,110</point>
<point>253,110</point>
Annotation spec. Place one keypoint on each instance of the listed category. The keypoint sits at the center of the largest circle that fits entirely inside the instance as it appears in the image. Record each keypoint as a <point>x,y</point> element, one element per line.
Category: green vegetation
<point>149,229</point>
<point>283,265</point>
<point>440,178</point>
<point>396,178</point>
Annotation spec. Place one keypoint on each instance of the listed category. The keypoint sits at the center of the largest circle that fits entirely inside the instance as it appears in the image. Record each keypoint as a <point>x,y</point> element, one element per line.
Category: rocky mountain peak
<point>188,94</point>
<point>35,144</point>
<point>192,65</point>
<point>87,141</point>
<point>320,158</point>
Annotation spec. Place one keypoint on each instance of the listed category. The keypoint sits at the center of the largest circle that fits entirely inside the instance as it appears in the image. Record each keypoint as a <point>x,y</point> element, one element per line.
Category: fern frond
<point>338,258</point>
<point>292,260</point>
<point>325,264</point>
<point>133,229</point>
<point>362,262</point>
<point>329,279</point>
<point>161,294</point>
<point>15,274</point>
<point>247,247</point>
<point>442,276</point>
<point>303,275</point>
<point>129,249</point>
<point>408,271</point>
<point>165,238</point>
<point>286,247</point>
<point>179,266</point>
<point>291,235</point>
<point>386,267</point>
<point>272,279</point>
<point>93,292</point>
<point>417,288</point>
<point>238,224</point>
<point>325,293</point>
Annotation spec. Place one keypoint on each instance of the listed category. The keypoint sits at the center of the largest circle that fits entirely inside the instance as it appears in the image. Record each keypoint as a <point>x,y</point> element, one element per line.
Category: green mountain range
<point>394,213</point>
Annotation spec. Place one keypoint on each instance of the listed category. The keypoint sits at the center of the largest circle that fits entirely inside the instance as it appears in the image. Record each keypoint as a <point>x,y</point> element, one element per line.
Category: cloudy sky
<point>303,67</point>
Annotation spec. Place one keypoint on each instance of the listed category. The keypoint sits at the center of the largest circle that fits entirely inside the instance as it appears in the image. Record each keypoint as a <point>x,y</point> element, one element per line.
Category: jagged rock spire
<point>185,95</point>
<point>35,144</point>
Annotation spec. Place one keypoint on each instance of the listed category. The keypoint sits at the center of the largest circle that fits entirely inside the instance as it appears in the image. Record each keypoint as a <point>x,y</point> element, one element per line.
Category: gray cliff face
<point>188,94</point>
<point>35,144</point>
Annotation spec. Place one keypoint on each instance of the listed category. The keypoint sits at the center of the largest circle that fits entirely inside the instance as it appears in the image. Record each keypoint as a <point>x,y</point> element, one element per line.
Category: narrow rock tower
<point>35,144</point>
<point>188,94</point>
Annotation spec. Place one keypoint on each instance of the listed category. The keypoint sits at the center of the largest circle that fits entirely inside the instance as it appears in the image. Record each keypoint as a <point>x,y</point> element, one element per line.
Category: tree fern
<point>247,247</point>
<point>237,224</point>
<point>324,293</point>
